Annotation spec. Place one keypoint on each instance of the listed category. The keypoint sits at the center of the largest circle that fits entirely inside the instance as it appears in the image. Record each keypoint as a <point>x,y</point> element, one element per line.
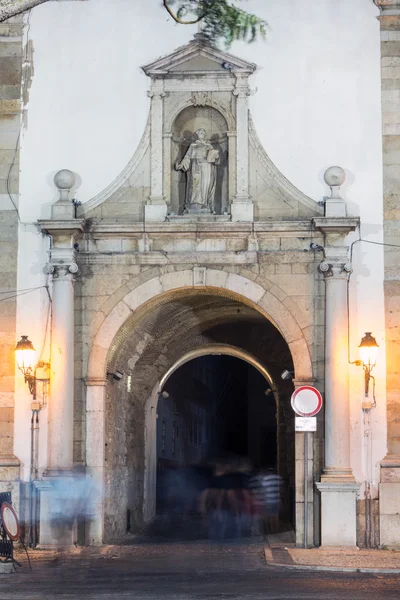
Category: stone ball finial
<point>335,176</point>
<point>64,180</point>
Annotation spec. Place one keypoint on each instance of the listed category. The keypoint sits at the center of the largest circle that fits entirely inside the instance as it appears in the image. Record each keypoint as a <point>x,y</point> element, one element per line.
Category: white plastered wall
<point>317,104</point>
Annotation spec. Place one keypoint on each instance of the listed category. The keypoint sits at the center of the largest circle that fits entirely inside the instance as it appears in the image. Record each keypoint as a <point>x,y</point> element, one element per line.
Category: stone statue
<point>199,163</point>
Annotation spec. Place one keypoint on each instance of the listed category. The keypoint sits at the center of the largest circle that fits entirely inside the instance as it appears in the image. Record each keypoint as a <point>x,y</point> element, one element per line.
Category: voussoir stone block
<point>143,292</point>
<point>280,316</point>
<point>244,287</point>
<point>302,316</point>
<point>176,280</point>
<point>114,320</point>
<point>216,278</point>
<point>301,359</point>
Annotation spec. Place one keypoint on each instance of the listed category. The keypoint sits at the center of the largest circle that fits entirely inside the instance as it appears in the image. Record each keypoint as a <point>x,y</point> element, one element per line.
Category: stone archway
<point>124,338</point>
<point>150,480</point>
<point>217,349</point>
<point>113,327</point>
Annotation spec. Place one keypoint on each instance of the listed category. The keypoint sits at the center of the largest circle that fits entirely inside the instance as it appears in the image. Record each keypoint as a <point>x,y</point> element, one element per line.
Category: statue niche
<point>200,162</point>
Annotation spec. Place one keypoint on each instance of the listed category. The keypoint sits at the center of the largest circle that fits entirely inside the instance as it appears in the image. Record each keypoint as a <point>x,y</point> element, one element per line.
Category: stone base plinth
<point>389,517</point>
<point>56,530</point>
<point>389,501</point>
<point>6,567</point>
<point>338,513</point>
<point>242,211</point>
<point>63,210</point>
<point>155,212</point>
<point>335,207</point>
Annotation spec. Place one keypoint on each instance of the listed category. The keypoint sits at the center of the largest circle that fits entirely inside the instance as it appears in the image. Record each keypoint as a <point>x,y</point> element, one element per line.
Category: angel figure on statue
<point>199,163</point>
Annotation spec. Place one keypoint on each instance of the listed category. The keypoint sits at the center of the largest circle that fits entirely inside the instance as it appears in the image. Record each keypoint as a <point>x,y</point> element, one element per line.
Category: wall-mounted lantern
<point>368,350</point>
<point>26,360</point>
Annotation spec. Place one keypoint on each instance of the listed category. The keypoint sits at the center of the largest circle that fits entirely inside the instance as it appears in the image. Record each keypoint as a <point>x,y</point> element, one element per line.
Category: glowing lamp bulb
<point>368,350</point>
<point>26,355</point>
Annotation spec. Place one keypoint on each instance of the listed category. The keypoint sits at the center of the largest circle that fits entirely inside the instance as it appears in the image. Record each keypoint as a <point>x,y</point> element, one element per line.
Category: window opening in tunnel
<point>216,413</point>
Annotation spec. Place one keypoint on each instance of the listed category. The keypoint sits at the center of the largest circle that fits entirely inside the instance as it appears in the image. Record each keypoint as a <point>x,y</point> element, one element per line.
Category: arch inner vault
<point>148,344</point>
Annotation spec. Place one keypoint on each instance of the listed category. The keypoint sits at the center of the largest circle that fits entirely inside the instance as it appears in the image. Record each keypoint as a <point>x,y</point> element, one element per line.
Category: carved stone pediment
<point>200,157</point>
<point>198,56</point>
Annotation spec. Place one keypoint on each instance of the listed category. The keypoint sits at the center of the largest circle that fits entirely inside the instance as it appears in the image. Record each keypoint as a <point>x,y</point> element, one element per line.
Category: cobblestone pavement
<point>280,550</point>
<point>175,570</point>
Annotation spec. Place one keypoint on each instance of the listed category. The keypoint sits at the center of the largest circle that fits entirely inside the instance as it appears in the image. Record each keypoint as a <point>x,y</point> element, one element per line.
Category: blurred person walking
<point>266,488</point>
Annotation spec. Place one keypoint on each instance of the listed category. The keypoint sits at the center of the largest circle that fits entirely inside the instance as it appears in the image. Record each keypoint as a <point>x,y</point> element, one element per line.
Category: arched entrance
<point>145,336</point>
<point>217,408</point>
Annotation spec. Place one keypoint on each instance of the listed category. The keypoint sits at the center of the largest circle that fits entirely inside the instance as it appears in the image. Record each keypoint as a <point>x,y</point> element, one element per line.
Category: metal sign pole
<point>306,402</point>
<point>305,488</point>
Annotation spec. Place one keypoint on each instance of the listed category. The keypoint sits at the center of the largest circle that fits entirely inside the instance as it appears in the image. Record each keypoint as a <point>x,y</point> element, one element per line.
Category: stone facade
<point>167,335</point>
<point>137,284</point>
<point>390,61</point>
<point>271,278</point>
<point>191,89</point>
<point>11,57</point>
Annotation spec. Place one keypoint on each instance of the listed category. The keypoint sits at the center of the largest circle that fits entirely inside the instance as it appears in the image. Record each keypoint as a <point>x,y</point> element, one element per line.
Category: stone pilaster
<point>61,406</point>
<point>242,206</point>
<point>63,230</point>
<point>63,267</point>
<point>389,493</point>
<point>336,270</point>
<point>11,52</point>
<point>156,208</point>
<point>337,486</point>
<point>95,436</point>
<point>390,63</point>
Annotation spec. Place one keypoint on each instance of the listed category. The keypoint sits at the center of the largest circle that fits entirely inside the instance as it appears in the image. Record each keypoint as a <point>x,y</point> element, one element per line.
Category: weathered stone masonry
<point>390,69</point>
<point>11,56</point>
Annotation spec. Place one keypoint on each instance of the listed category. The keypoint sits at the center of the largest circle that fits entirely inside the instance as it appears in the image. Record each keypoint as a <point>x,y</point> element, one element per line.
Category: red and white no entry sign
<point>306,401</point>
<point>10,521</point>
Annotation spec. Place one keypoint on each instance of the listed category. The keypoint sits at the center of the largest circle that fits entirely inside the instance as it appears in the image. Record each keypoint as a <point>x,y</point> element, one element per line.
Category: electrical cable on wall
<point>21,290</point>
<point>360,239</point>
<point>21,293</point>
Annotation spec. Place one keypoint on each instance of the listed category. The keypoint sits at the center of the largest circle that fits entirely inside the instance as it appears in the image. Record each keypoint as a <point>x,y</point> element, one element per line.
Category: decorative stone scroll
<point>335,269</point>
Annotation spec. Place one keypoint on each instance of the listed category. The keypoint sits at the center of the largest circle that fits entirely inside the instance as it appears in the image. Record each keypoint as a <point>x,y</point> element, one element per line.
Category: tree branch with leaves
<point>220,19</point>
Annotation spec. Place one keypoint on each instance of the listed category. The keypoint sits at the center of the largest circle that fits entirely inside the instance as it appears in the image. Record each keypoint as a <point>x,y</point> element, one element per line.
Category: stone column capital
<point>242,91</point>
<point>156,94</point>
<point>157,88</point>
<point>59,270</point>
<point>335,269</point>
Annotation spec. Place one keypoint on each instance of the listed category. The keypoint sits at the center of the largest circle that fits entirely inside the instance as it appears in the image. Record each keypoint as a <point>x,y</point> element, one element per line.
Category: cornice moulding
<point>171,258</point>
<point>388,7</point>
<point>61,226</point>
<point>105,229</point>
<point>336,225</point>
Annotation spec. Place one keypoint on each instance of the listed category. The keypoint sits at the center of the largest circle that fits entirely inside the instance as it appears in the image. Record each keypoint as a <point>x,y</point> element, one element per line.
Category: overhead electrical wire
<point>17,294</point>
